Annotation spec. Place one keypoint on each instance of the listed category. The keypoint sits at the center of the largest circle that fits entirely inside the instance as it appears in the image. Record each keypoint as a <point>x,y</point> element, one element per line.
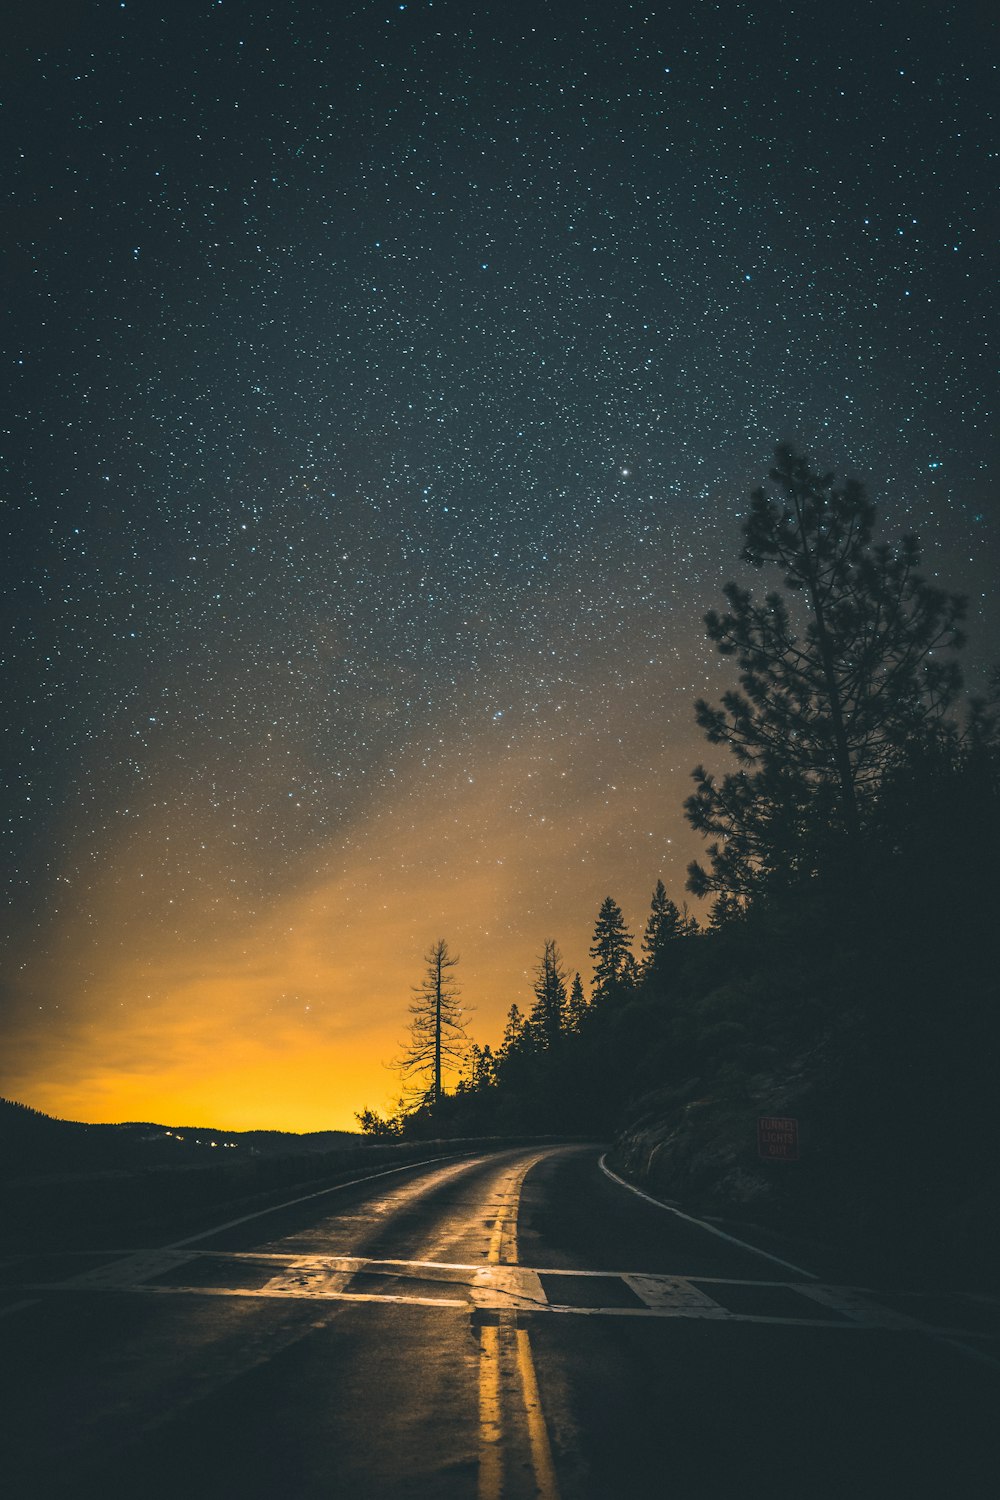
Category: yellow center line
<point>505,1225</point>
<point>504,1347</point>
<point>538,1433</point>
<point>490,1416</point>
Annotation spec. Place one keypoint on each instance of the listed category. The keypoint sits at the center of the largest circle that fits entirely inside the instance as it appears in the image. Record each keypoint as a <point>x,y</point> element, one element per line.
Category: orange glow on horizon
<point>286,1018</point>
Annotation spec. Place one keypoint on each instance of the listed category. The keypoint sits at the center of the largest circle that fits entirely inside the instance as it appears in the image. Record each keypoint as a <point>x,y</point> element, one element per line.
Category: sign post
<point>777,1138</point>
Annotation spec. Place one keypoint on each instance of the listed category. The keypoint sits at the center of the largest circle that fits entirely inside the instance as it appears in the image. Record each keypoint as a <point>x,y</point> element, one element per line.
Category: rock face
<point>851,1189</point>
<point>701,1150</point>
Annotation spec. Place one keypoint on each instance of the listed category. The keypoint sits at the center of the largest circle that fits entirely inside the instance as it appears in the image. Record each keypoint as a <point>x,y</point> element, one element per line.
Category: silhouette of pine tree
<point>547,1014</point>
<point>613,961</point>
<point>842,680</point>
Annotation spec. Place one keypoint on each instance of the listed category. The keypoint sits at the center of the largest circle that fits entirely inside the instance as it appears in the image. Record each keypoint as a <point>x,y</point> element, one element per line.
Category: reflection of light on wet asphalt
<point>503,1240</point>
<point>538,1434</point>
<point>490,1415</point>
<point>508,1385</point>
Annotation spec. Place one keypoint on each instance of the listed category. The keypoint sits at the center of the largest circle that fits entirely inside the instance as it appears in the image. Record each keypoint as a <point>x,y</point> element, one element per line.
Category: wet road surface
<point>492,1327</point>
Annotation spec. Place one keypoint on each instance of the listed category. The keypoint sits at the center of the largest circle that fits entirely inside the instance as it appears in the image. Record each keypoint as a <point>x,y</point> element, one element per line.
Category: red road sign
<point>777,1138</point>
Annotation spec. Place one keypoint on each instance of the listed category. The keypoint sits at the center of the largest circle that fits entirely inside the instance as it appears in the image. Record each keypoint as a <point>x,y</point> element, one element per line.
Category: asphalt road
<point>485,1328</point>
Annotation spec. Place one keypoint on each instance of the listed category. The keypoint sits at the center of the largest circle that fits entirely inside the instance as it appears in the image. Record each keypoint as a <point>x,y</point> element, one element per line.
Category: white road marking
<point>507,1286</point>
<point>491,1287</point>
<point>956,1342</point>
<point>881,1317</point>
<point>133,1267</point>
<point>709,1228</point>
<point>338,1187</point>
<point>506,1365</point>
<point>22,1306</point>
<point>673,1294</point>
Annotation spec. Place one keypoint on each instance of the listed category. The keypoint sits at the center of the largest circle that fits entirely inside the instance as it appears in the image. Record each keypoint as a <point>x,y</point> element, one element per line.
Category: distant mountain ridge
<point>31,1141</point>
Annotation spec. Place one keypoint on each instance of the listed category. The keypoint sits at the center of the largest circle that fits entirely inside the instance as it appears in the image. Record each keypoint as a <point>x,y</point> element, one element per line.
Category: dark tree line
<point>851,942</point>
<point>551,1069</point>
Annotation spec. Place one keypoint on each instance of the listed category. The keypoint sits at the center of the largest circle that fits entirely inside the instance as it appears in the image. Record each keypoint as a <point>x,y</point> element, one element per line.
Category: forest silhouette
<point>847,972</point>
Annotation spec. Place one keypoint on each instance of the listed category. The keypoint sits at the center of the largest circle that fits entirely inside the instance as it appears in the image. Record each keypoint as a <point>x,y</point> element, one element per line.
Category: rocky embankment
<point>863,1189</point>
<point>701,1150</point>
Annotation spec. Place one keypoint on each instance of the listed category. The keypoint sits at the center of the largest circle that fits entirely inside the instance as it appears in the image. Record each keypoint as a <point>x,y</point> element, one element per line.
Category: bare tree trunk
<point>438,983</point>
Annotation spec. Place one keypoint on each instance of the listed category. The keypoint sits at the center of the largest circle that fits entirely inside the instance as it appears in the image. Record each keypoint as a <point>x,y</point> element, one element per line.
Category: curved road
<point>518,1324</point>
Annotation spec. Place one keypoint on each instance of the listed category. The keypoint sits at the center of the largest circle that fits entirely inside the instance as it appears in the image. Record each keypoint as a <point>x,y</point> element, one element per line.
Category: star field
<point>383,393</point>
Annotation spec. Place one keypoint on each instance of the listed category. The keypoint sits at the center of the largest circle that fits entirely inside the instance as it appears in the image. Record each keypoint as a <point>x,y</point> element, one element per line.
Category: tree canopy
<point>610,951</point>
<point>664,925</point>
<point>844,675</point>
<point>548,1014</point>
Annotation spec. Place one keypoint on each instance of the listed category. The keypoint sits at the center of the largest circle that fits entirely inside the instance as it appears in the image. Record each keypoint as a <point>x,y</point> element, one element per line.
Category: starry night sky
<point>384,385</point>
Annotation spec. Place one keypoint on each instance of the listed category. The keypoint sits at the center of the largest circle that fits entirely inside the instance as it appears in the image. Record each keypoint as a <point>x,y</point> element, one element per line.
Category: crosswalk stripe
<point>489,1287</point>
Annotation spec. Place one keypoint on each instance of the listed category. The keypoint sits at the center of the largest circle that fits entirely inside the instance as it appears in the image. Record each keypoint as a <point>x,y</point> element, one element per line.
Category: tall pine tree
<point>842,678</point>
<point>547,1019</point>
<point>613,961</point>
<point>576,1006</point>
<point>665,924</point>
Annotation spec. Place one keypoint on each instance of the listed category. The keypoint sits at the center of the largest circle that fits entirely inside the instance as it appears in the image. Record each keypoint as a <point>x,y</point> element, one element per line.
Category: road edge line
<point>690,1219</point>
<point>192,1239</point>
<point>13,1307</point>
